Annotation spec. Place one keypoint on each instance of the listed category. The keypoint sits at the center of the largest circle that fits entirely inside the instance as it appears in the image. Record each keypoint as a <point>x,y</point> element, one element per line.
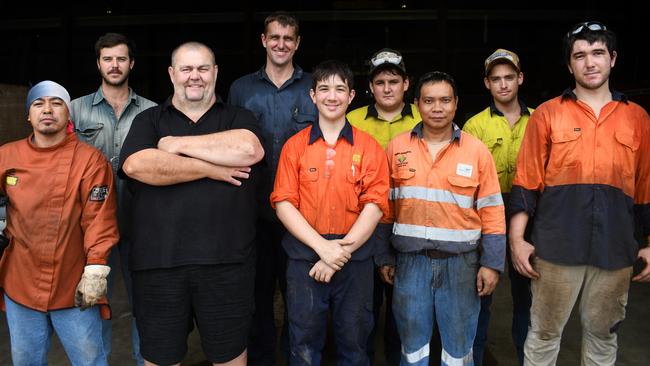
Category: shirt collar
<point>372,111</point>
<point>297,75</point>
<point>418,131</point>
<point>316,133</point>
<point>522,106</point>
<point>99,97</point>
<point>616,95</point>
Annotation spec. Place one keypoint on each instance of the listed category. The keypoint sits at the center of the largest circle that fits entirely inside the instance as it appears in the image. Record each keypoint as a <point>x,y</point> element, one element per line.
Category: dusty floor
<point>634,349</point>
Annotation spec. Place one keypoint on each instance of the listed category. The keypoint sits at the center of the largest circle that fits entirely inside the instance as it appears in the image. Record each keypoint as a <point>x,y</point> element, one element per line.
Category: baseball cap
<point>501,56</point>
<point>386,57</point>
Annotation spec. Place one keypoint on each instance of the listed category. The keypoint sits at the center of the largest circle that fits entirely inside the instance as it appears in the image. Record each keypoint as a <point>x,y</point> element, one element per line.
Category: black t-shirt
<point>199,222</point>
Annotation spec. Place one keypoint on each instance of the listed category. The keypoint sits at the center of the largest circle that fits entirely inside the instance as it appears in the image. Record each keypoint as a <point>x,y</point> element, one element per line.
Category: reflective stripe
<point>448,360</point>
<point>431,195</point>
<point>491,200</point>
<point>436,233</point>
<point>418,355</point>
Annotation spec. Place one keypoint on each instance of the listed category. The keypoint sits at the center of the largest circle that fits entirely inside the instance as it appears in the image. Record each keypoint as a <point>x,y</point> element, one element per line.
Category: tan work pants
<point>602,308</point>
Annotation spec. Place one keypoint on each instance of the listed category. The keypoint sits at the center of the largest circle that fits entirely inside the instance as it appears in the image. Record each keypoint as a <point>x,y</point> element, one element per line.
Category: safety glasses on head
<point>386,57</point>
<point>581,27</point>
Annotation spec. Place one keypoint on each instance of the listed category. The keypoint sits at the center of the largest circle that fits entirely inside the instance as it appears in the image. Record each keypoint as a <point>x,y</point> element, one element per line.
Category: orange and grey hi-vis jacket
<point>582,177</point>
<point>452,203</point>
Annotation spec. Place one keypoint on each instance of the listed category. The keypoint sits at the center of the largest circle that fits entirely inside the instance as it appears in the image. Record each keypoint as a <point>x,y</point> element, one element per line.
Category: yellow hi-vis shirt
<point>367,119</point>
<point>492,127</point>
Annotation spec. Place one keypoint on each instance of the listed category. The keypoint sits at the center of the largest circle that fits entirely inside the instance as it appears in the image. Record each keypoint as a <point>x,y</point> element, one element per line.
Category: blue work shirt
<point>95,123</point>
<point>281,113</point>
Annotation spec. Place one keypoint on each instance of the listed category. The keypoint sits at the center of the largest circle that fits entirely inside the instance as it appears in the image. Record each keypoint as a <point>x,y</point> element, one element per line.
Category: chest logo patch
<point>464,170</point>
<point>11,180</point>
<point>98,193</point>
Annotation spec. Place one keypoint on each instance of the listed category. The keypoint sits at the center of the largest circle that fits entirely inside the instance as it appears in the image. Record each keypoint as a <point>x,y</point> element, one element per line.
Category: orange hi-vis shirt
<point>451,204</point>
<point>61,217</point>
<point>583,177</point>
<point>330,197</point>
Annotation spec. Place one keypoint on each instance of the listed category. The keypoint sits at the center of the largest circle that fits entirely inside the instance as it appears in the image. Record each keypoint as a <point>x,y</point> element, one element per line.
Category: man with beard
<point>103,119</point>
<point>195,205</point>
<point>582,171</point>
<point>501,127</point>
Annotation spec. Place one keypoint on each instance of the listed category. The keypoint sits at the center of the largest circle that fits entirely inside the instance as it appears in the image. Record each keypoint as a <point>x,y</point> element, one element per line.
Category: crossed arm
<point>225,156</point>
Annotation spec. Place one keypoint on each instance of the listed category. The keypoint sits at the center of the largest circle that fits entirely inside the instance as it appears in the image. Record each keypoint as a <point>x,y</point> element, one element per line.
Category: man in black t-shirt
<point>190,164</point>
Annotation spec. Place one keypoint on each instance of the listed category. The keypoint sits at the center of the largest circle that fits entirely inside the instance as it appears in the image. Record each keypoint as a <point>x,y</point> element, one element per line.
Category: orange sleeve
<point>375,179</point>
<point>489,200</point>
<point>534,152</point>
<point>98,215</point>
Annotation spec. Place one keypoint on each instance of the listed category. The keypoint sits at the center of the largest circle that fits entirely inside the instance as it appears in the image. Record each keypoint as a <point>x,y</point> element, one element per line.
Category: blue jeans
<point>348,295</point>
<point>120,257</point>
<point>30,332</point>
<point>436,290</point>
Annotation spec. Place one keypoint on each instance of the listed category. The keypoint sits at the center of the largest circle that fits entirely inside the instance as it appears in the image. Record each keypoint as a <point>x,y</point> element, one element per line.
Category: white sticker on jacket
<point>464,170</point>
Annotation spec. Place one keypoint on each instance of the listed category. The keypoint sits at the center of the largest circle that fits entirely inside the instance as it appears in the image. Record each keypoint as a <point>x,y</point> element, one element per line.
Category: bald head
<point>191,46</point>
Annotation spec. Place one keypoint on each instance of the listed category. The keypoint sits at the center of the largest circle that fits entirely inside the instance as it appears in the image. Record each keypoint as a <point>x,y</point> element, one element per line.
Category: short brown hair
<point>285,19</point>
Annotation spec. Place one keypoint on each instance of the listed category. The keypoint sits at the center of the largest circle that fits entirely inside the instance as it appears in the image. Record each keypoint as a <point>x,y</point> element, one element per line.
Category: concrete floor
<point>634,349</point>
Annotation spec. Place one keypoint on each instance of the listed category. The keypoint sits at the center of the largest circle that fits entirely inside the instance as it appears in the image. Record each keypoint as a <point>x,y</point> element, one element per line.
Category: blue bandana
<point>47,88</point>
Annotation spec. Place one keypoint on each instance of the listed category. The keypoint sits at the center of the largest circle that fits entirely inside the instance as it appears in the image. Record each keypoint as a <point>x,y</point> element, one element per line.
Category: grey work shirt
<point>96,124</point>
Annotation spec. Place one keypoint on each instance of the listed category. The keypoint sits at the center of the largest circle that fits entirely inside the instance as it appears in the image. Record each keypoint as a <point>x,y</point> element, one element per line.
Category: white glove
<point>92,285</point>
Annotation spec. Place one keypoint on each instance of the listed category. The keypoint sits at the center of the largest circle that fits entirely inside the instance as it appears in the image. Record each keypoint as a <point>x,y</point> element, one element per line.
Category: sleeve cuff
<point>522,199</point>
<point>493,251</point>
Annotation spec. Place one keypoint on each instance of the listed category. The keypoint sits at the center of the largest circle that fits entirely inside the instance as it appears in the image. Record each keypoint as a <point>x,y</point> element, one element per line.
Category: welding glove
<point>92,286</point>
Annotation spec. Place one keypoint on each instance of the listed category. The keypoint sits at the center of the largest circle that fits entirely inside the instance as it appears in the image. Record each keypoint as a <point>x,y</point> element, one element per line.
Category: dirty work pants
<point>602,308</point>
<point>436,290</point>
<point>349,298</point>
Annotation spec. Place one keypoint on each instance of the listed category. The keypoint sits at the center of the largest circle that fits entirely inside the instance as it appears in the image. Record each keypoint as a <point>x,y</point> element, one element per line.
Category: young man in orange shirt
<point>582,173</point>
<point>330,191</point>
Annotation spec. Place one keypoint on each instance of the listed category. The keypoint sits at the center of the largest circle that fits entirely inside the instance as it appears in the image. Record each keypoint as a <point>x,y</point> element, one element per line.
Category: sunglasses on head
<point>581,27</point>
<point>386,57</point>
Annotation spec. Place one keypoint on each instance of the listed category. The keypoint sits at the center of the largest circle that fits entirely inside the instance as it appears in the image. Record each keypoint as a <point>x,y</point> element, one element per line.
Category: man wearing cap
<point>103,119</point>
<point>582,172</point>
<point>501,127</point>
<point>384,119</point>
<point>278,95</point>
<point>61,227</point>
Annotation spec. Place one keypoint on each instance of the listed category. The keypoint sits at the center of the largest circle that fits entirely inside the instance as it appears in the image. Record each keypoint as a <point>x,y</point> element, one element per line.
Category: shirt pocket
<point>404,194</point>
<point>308,176</point>
<point>308,179</point>
<point>302,114</point>
<point>565,149</point>
<point>624,152</point>
<point>499,153</point>
<point>90,134</point>
<point>463,190</point>
<point>353,178</point>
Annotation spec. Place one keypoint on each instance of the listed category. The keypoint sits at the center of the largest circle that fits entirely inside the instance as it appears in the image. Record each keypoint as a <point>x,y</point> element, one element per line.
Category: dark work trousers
<point>348,296</point>
<point>392,345</point>
<point>270,269</point>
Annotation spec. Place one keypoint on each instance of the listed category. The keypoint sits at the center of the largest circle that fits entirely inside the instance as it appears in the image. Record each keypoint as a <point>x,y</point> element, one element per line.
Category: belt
<point>437,254</point>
